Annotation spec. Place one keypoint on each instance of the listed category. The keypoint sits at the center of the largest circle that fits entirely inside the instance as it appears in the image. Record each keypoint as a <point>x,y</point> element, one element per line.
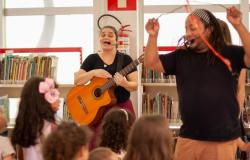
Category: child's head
<point>40,97</point>
<point>39,101</point>
<point>150,138</point>
<point>115,128</point>
<point>68,142</point>
<point>51,93</point>
<point>102,153</point>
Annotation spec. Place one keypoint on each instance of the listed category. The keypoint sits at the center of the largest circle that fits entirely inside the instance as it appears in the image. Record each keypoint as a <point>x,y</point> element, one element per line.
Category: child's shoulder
<point>48,128</point>
<point>6,147</point>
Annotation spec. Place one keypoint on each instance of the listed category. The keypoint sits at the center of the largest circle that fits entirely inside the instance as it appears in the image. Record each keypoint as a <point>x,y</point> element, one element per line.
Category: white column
<point>99,9</point>
<point>140,44</point>
<point>2,22</point>
<point>244,8</point>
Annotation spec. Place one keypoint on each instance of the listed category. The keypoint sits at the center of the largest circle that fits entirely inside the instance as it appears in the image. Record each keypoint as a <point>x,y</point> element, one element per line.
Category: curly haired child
<point>6,150</point>
<point>36,116</point>
<point>68,142</point>
<point>115,129</point>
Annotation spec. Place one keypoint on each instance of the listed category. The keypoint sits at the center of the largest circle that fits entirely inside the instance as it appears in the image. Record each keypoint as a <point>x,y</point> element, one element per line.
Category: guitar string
<point>124,71</point>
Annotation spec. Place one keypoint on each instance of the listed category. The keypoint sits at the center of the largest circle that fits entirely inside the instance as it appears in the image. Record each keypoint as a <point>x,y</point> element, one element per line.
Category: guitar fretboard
<point>124,72</point>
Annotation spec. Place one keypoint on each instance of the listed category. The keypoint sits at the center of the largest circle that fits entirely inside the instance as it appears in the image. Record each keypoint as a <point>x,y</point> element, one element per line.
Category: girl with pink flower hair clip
<point>36,117</point>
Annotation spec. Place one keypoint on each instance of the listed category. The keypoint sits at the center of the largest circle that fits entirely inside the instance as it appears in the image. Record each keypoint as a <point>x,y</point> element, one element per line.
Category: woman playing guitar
<point>106,64</point>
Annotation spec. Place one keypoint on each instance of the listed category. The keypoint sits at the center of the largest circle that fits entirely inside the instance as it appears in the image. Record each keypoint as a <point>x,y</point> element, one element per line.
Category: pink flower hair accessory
<point>51,94</point>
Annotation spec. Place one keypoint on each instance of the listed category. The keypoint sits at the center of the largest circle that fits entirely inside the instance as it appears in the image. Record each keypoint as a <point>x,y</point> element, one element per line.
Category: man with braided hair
<point>206,70</point>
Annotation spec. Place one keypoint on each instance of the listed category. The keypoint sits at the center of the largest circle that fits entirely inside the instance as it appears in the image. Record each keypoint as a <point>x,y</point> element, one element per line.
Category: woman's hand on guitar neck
<point>102,73</point>
<point>120,80</point>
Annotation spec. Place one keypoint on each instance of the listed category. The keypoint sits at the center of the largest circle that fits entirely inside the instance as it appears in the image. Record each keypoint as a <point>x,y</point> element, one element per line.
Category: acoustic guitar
<point>84,101</point>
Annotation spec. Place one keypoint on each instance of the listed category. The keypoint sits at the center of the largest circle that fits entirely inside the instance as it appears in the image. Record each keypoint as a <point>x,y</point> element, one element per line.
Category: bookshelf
<point>168,90</point>
<point>13,90</point>
<point>159,94</point>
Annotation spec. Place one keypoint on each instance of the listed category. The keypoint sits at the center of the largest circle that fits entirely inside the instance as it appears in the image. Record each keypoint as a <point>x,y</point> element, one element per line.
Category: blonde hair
<point>150,139</point>
<point>101,153</point>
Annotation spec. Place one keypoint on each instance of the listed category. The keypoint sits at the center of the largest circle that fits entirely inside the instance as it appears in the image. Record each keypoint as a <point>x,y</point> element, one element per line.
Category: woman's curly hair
<point>66,141</point>
<point>115,129</point>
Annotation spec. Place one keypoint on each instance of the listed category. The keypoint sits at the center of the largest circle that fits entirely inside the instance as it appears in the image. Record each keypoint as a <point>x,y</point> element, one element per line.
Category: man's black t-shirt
<point>207,92</point>
<point>93,61</point>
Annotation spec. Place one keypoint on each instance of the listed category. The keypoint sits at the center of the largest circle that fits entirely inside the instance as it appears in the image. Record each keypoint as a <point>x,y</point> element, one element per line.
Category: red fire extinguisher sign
<point>121,5</point>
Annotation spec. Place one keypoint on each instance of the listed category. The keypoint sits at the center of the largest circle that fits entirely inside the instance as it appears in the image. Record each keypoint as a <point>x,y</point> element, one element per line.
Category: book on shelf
<point>17,69</point>
<point>161,104</point>
<point>247,76</point>
<point>151,76</point>
<point>4,107</point>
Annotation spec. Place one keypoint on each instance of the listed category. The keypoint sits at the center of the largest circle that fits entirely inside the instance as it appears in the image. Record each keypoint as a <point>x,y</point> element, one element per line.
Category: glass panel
<point>13,109</point>
<point>47,3</point>
<point>69,31</point>
<point>24,3</point>
<point>172,27</point>
<point>28,32</point>
<point>72,31</point>
<point>184,2</point>
<point>73,3</point>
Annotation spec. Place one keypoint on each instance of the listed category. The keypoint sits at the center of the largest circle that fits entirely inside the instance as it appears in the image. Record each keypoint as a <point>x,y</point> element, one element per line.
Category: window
<point>62,30</point>
<point>172,28</point>
<point>69,31</point>
<point>73,3</point>
<point>13,110</point>
<point>72,31</point>
<point>28,32</point>
<point>49,26</point>
<point>183,2</point>
<point>42,3</point>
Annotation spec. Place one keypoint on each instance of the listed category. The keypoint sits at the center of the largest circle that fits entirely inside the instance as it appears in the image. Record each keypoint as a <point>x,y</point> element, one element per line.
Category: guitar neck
<point>129,67</point>
<point>124,72</point>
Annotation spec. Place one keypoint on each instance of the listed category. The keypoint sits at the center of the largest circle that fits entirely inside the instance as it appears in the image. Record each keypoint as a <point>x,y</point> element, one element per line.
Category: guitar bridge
<point>82,104</point>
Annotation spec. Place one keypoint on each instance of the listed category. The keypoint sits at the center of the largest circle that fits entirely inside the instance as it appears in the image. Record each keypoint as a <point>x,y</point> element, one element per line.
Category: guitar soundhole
<point>98,92</point>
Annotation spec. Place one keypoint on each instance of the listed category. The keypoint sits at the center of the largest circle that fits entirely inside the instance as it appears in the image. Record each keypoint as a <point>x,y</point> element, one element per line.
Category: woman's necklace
<point>104,63</point>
